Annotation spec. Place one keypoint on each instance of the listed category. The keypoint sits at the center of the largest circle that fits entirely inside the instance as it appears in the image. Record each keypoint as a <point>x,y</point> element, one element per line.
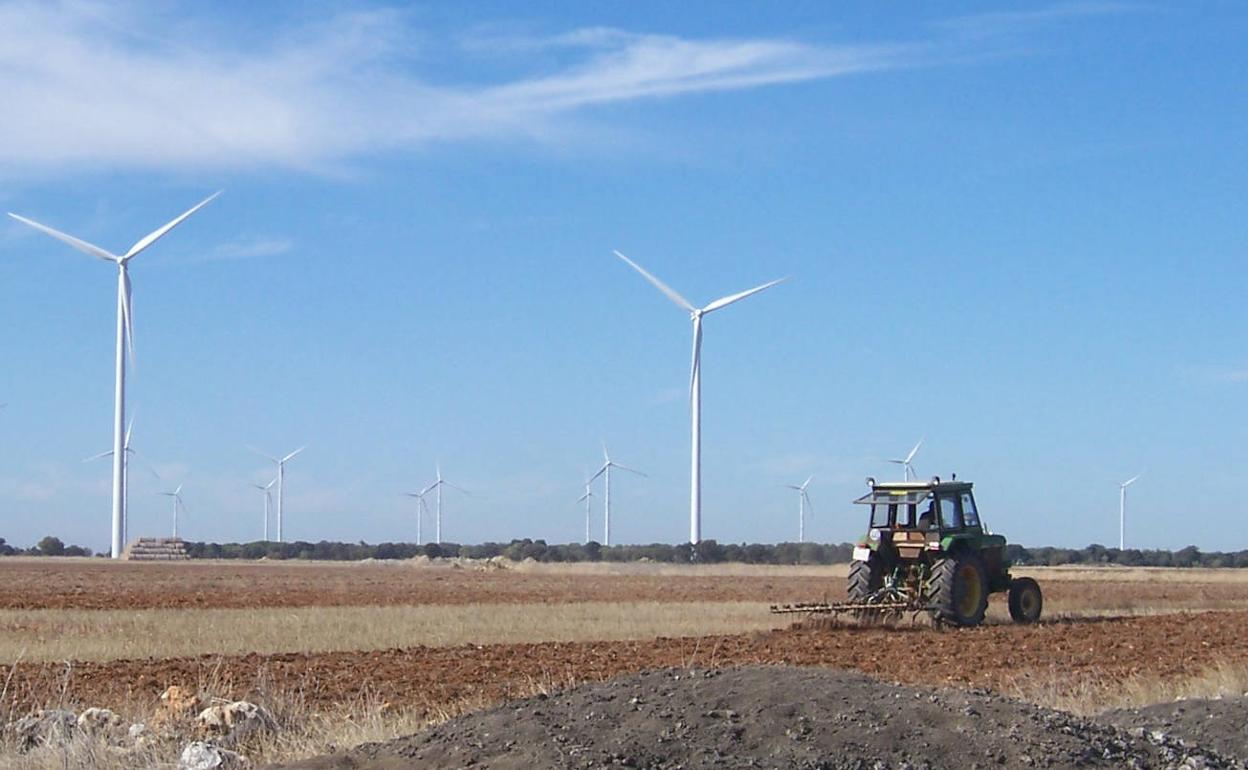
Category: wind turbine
<point>441,482</point>
<point>695,383</point>
<point>268,501</point>
<point>281,482</point>
<point>907,468</point>
<point>1122,511</point>
<point>177,503</point>
<point>125,480</point>
<point>803,500</point>
<point>588,499</point>
<point>605,472</point>
<point>125,343</point>
<point>421,508</point>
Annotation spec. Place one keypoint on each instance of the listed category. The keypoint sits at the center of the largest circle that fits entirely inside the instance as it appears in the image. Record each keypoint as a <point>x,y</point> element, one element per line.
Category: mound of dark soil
<point>1220,725</point>
<point>771,717</point>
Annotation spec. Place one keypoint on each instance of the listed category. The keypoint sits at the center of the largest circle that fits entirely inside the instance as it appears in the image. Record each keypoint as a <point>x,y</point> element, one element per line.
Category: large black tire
<point>958,590</point>
<point>865,578</point>
<point>1026,602</point>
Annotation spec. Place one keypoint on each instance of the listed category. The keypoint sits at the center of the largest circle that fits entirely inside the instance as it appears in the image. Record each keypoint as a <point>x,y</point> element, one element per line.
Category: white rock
<point>236,720</point>
<point>205,756</point>
<point>95,721</point>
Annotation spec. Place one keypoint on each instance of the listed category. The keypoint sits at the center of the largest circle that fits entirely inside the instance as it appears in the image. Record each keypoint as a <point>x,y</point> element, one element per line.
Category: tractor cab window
<point>949,518</point>
<point>970,516</point>
<point>880,515</point>
<point>927,519</point>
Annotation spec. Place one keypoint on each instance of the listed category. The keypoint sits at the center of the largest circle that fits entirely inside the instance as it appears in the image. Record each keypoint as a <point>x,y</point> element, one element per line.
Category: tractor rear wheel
<point>865,578</point>
<point>958,590</point>
<point>1025,600</point>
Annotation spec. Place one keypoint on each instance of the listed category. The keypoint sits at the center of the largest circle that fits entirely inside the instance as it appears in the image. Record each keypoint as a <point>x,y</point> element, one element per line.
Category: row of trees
<point>706,552</point>
<point>48,546</point>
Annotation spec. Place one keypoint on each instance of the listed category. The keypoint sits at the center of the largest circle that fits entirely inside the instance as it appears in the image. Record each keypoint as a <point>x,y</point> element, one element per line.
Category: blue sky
<point>1016,230</point>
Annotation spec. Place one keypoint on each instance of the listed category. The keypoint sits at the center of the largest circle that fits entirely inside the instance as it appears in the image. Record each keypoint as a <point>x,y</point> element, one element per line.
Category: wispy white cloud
<point>1214,374</point>
<point>997,22</point>
<point>102,84</point>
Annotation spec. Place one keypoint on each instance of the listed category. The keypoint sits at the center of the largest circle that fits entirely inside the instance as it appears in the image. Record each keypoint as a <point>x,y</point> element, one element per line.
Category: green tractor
<point>927,550</point>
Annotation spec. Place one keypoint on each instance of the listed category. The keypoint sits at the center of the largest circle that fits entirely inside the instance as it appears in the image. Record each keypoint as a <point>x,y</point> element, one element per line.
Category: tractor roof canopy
<point>909,492</point>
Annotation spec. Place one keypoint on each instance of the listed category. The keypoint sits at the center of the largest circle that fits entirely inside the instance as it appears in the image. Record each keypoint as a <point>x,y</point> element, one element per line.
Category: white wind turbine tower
<point>1122,511</point>
<point>803,500</point>
<point>421,509</point>
<point>437,485</point>
<point>695,384</point>
<point>588,499</point>
<point>268,502</point>
<point>281,482</point>
<point>177,503</point>
<point>907,468</point>
<point>605,472</point>
<point>125,342</point>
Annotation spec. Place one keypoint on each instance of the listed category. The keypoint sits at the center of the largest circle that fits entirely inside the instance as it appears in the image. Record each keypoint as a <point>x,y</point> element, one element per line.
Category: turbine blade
<point>129,430</point>
<point>292,454</point>
<point>585,497</point>
<point>680,301</point>
<point>262,454</point>
<point>177,491</point>
<point>461,489</point>
<point>593,478</point>
<point>81,245</point>
<point>127,313</point>
<point>96,457</point>
<point>726,301</point>
<point>156,234</point>
<point>429,488</point>
<point>1131,480</point>
<point>914,451</point>
<point>630,470</point>
<point>809,505</point>
<point>807,481</point>
<point>791,486</point>
<point>697,353</point>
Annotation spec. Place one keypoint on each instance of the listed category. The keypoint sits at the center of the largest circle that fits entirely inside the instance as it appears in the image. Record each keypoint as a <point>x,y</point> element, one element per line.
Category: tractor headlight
<point>873,534</point>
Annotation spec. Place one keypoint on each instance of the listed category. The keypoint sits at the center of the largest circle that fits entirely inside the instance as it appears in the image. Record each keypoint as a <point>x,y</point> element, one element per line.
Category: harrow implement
<point>888,603</point>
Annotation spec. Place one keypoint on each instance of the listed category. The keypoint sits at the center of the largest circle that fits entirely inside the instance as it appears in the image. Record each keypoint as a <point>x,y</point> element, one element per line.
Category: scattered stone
<point>206,756</point>
<point>99,722</point>
<point>235,721</point>
<point>47,727</point>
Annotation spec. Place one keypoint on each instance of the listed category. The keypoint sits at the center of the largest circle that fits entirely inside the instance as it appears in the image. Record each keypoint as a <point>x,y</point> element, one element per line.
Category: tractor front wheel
<point>958,590</point>
<point>1025,600</point>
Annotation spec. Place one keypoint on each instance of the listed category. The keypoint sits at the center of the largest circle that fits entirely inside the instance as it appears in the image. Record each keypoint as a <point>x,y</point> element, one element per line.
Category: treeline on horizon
<point>705,552</point>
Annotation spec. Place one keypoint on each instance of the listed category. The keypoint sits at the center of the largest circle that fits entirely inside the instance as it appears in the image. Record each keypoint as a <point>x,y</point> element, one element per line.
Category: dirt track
<point>992,656</point>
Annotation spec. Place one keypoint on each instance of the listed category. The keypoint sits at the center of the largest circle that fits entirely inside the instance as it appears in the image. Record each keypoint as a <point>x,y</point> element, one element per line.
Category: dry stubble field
<point>418,641</point>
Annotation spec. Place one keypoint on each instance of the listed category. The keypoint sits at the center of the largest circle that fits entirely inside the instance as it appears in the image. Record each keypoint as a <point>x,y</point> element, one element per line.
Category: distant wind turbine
<point>125,343</point>
<point>605,472</point>
<point>1122,511</point>
<point>907,468</point>
<point>437,485</point>
<point>803,500</point>
<point>421,509</point>
<point>588,499</point>
<point>177,504</point>
<point>695,383</point>
<point>281,482</point>
<point>125,502</point>
<point>268,502</point>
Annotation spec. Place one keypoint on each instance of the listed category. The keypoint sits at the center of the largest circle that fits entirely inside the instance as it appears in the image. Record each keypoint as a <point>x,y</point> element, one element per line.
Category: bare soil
<point>1001,657</point>
<point>776,717</point>
<point>101,584</point>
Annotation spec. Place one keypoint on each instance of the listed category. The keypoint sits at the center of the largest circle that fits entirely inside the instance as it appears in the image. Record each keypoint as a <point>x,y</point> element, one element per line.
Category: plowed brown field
<point>98,584</point>
<point>992,656</point>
